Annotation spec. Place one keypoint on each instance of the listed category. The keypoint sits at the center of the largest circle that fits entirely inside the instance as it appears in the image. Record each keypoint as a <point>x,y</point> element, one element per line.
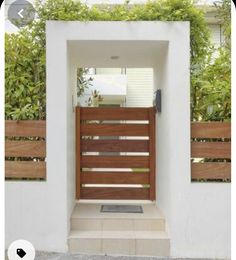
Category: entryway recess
<point>115,153</point>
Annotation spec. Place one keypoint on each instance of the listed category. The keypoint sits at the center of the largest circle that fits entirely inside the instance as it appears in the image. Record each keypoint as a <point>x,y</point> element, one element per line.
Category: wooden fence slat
<point>25,169</point>
<point>114,146</point>
<point>78,153</point>
<point>152,152</point>
<point>25,128</point>
<point>210,130</point>
<point>115,178</point>
<point>90,113</point>
<point>25,148</point>
<point>114,161</point>
<point>114,130</point>
<point>211,150</point>
<point>211,170</point>
<point>114,193</point>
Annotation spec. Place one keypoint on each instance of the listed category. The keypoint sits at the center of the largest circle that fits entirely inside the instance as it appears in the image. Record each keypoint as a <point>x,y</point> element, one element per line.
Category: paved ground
<point>86,257</point>
<point>56,256</point>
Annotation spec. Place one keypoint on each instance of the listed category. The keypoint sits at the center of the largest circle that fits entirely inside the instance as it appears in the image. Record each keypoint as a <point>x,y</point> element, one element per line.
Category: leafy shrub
<point>25,51</point>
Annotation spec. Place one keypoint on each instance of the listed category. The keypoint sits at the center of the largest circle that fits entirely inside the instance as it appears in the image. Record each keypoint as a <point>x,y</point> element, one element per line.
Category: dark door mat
<point>121,209</point>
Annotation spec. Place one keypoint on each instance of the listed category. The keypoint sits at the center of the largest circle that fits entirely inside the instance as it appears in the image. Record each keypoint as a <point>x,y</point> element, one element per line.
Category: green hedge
<point>25,51</point>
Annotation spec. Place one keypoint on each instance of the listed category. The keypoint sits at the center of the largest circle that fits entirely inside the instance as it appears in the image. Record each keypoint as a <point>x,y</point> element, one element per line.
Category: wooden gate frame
<point>88,113</point>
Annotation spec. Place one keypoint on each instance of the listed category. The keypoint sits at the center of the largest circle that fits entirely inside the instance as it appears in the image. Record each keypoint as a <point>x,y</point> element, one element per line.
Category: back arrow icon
<point>20,13</point>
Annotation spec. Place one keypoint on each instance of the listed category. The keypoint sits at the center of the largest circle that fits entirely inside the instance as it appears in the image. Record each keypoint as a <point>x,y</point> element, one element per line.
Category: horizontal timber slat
<point>114,146</point>
<point>25,128</point>
<point>114,178</point>
<point>26,169</point>
<point>114,130</point>
<point>25,148</point>
<point>210,130</point>
<point>114,193</point>
<point>114,161</point>
<point>114,113</point>
<point>211,170</point>
<point>211,149</point>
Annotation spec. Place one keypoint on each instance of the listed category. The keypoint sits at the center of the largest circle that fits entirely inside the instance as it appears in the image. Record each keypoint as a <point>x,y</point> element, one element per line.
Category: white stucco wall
<point>198,215</point>
<point>203,220</point>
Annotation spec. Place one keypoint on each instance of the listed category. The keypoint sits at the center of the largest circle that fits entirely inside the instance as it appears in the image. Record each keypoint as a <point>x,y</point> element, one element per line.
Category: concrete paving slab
<point>57,256</point>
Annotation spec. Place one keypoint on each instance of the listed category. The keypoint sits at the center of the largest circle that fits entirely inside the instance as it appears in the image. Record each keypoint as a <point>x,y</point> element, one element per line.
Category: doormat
<point>121,209</point>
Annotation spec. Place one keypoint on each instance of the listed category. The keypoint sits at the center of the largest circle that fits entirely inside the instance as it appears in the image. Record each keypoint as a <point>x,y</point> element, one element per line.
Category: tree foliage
<point>25,51</point>
<point>25,93</point>
<point>211,98</point>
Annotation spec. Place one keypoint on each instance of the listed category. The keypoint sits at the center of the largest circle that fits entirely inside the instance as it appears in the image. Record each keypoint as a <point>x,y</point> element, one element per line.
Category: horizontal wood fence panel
<point>25,148</point>
<point>211,170</point>
<point>114,130</point>
<point>211,150</point>
<point>25,128</point>
<point>91,113</point>
<point>114,193</point>
<point>114,146</point>
<point>25,169</point>
<point>210,130</point>
<point>114,161</point>
<point>114,178</point>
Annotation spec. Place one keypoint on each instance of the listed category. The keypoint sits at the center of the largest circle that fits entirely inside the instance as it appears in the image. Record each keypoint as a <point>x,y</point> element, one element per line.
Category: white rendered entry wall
<point>137,44</point>
<point>165,47</point>
<point>198,225</point>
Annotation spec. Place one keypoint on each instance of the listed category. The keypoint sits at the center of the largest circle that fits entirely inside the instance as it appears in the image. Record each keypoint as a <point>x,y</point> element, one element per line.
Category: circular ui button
<point>21,12</point>
<point>21,249</point>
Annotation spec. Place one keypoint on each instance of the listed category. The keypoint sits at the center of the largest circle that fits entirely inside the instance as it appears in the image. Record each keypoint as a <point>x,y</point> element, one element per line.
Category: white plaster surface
<point>198,215</point>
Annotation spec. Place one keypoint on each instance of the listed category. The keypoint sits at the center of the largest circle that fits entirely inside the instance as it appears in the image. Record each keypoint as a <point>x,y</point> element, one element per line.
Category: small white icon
<point>21,249</point>
<point>20,13</point>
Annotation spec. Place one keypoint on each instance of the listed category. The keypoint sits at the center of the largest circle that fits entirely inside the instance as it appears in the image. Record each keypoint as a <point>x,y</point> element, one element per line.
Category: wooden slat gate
<point>115,153</point>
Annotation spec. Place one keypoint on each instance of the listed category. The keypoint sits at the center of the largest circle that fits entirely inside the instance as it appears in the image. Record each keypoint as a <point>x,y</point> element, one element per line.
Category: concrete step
<point>96,232</point>
<point>148,243</point>
<point>88,217</point>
